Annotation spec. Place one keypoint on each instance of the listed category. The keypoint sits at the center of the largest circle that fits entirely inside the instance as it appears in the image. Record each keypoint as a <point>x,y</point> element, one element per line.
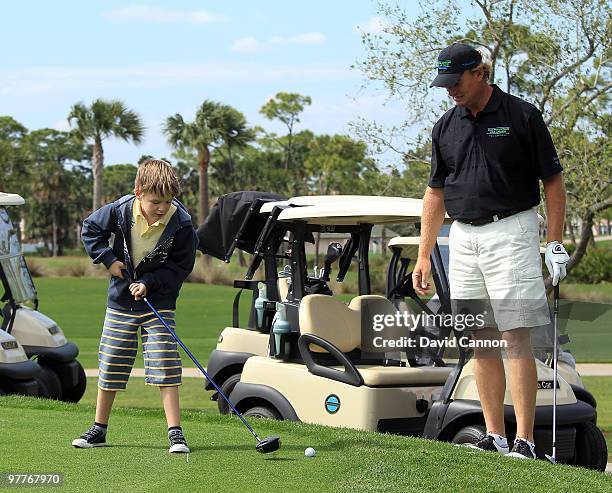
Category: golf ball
<point>309,452</point>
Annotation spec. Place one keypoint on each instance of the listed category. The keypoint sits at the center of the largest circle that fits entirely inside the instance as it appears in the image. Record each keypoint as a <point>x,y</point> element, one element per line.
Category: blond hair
<point>485,64</point>
<point>157,176</point>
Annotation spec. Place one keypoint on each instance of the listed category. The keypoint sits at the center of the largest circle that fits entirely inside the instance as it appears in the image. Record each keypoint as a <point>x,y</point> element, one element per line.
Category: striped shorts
<point>119,345</point>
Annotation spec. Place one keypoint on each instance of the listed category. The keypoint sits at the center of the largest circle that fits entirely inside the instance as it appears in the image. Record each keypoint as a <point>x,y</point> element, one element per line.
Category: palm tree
<point>99,121</point>
<point>215,124</point>
<point>235,135</point>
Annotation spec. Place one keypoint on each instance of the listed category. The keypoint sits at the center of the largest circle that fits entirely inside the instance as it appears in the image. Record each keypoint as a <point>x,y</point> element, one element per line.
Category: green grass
<point>78,304</point>
<point>604,243</point>
<point>588,325</point>
<point>58,263</point>
<point>223,457</point>
<point>138,395</point>
<point>195,398</point>
<point>600,388</point>
<point>601,292</point>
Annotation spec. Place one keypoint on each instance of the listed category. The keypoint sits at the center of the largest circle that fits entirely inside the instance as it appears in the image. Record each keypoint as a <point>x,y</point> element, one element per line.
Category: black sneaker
<point>94,437</point>
<point>178,444</point>
<point>487,443</point>
<point>523,449</point>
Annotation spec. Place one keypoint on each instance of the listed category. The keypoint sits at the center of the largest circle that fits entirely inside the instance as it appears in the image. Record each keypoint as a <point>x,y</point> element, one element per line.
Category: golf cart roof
<point>310,200</point>
<point>348,210</point>
<point>11,199</point>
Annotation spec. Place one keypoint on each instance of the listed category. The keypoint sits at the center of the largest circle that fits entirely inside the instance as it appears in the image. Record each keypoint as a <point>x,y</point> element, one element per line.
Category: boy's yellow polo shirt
<point>144,237</point>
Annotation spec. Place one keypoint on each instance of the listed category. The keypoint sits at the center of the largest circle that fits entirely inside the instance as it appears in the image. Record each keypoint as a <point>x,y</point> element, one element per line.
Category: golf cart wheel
<point>227,388</point>
<point>263,412</point>
<point>74,394</point>
<point>591,449</point>
<point>49,384</point>
<point>469,434</point>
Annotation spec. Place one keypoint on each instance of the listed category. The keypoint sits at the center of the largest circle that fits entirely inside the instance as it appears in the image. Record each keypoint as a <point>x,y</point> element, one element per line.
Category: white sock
<point>499,440</point>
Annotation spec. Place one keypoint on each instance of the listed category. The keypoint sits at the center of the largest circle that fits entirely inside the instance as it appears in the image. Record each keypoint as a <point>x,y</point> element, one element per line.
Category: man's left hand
<point>556,257</point>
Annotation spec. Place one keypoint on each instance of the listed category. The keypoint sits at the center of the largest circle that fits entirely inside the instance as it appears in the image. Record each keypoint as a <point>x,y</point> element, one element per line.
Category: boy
<point>150,235</point>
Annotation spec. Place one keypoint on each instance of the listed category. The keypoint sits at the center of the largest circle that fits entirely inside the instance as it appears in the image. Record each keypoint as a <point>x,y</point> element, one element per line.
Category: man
<point>488,154</point>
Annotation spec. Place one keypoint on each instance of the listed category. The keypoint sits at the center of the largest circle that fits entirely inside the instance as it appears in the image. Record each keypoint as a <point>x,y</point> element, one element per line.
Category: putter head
<point>551,458</point>
<point>268,444</point>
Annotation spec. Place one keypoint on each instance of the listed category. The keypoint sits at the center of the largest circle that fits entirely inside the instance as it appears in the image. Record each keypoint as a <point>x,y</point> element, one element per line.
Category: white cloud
<point>248,45</point>
<point>145,13</point>
<point>253,45</point>
<point>61,125</point>
<point>49,80</point>
<point>374,25</point>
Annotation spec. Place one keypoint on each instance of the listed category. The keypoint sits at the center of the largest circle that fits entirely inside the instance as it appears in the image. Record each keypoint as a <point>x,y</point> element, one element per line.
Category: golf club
<point>268,444</point>
<point>334,251</point>
<point>553,458</point>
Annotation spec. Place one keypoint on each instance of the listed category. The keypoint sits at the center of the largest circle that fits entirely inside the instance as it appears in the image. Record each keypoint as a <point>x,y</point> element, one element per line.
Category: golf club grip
<point>126,274</point>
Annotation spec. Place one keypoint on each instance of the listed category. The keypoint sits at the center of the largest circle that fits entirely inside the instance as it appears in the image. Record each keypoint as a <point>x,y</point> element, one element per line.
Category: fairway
<point>195,398</point>
<point>203,310</point>
<point>223,457</point>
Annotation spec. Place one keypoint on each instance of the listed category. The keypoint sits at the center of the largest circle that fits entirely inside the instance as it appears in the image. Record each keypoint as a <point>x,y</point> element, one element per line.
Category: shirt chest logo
<point>498,131</point>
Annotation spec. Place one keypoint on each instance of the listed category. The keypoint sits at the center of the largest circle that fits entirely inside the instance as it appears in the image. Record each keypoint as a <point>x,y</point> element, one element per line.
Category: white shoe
<point>488,443</point>
<point>523,449</point>
<point>94,437</point>
<point>178,444</point>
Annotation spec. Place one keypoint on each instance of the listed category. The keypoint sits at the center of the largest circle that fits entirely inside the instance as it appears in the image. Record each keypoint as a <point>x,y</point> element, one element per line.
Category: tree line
<point>63,176</point>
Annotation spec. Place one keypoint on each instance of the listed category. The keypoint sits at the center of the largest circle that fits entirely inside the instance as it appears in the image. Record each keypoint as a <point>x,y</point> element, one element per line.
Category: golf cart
<point>317,371</point>
<point>59,375</point>
<point>237,221</point>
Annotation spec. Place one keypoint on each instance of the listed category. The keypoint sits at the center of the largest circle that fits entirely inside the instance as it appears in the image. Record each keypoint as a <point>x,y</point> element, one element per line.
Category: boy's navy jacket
<point>106,236</point>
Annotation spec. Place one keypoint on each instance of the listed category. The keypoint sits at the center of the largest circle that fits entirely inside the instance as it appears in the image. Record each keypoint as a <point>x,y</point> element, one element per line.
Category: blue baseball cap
<point>453,61</point>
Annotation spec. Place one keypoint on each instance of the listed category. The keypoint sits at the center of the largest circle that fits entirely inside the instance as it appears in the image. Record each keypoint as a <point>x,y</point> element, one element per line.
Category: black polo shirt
<point>492,163</point>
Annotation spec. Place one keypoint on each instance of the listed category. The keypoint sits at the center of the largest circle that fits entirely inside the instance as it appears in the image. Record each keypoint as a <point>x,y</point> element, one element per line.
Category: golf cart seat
<point>339,325</point>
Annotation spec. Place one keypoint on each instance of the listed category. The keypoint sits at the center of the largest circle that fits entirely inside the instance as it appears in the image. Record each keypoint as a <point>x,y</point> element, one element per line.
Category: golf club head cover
<point>556,257</point>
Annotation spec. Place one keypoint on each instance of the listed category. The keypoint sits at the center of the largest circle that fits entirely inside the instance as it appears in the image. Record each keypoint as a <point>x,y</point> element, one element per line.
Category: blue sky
<point>161,58</point>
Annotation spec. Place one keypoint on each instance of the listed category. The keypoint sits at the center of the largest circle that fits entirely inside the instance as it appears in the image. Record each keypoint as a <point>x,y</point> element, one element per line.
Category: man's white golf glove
<point>556,257</point>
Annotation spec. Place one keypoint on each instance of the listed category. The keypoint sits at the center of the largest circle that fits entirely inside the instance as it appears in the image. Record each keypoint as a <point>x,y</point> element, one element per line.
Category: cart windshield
<point>16,276</point>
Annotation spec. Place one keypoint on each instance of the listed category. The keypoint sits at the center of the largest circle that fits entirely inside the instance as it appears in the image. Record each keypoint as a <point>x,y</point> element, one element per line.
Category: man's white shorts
<point>500,262</point>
